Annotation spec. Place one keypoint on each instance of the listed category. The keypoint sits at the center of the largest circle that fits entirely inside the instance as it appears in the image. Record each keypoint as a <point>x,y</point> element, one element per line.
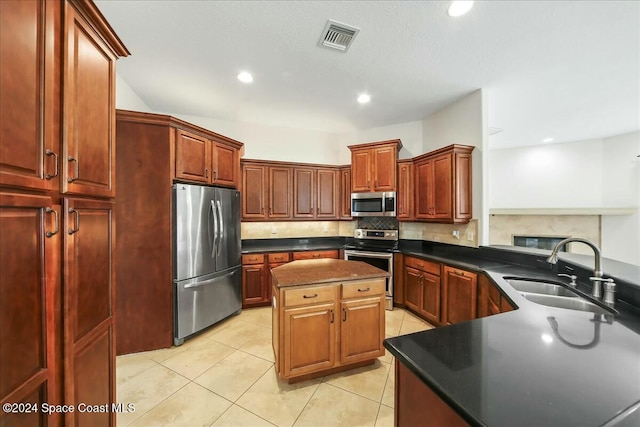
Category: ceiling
<point>563,69</point>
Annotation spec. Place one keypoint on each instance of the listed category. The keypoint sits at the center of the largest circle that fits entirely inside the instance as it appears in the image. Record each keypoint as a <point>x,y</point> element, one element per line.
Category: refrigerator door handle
<point>208,282</point>
<point>215,228</point>
<point>221,227</point>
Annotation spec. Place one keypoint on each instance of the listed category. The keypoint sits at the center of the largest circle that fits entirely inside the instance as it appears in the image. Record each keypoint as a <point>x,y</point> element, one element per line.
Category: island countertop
<point>318,271</point>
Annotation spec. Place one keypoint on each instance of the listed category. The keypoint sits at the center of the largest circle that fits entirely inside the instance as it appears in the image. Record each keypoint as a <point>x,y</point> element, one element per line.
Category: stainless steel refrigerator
<point>207,268</point>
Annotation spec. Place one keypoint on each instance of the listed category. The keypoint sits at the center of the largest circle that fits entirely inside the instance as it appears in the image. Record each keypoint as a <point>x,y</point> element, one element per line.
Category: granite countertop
<point>535,365</point>
<point>317,271</point>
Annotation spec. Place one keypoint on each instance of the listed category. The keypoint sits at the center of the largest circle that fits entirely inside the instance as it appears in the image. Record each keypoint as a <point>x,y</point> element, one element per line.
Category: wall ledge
<point>564,211</point>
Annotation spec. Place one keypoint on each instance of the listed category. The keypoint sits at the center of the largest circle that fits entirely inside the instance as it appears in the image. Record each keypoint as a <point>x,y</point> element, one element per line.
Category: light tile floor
<point>225,376</point>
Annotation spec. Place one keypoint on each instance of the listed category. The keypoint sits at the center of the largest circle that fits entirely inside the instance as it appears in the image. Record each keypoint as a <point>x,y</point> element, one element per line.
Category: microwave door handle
<point>221,225</point>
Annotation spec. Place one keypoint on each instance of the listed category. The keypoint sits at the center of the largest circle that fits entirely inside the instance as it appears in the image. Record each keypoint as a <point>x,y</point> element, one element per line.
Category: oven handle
<point>382,255</point>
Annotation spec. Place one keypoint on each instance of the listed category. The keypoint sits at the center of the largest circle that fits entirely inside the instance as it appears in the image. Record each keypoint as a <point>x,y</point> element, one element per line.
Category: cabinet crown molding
<point>91,13</point>
<point>395,142</point>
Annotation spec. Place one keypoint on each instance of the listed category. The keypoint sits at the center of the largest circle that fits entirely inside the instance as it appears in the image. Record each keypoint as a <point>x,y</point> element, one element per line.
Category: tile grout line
<point>307,403</point>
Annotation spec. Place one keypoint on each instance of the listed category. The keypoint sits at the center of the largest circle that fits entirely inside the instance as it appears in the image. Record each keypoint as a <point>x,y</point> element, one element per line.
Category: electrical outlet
<point>470,236</point>
<point>274,230</point>
<point>325,228</point>
<point>456,234</point>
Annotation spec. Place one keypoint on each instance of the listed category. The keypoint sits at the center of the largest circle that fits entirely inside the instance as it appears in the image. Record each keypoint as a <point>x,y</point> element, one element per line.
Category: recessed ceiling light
<point>547,140</point>
<point>459,8</point>
<point>363,98</point>
<point>245,77</point>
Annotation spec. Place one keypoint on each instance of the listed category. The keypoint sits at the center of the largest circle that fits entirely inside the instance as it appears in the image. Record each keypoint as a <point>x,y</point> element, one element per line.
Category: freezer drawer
<point>205,300</point>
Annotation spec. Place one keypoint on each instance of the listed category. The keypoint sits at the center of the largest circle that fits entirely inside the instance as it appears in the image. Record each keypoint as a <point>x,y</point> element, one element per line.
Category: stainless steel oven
<point>375,247</point>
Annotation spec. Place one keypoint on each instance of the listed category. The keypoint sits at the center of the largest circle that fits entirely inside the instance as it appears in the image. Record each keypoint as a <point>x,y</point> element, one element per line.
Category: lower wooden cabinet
<point>422,288</point>
<point>317,328</point>
<point>490,299</point>
<point>255,290</point>
<point>333,253</point>
<point>459,300</point>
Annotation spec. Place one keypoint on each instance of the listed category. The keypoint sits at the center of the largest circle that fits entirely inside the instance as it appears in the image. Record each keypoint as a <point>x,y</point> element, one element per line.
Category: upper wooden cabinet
<point>443,190</point>
<point>200,159</point>
<point>373,166</point>
<point>405,195</point>
<point>315,193</point>
<point>345,192</point>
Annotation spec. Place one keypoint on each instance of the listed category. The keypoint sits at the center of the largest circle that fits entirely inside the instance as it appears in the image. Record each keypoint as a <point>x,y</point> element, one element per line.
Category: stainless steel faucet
<point>597,279</point>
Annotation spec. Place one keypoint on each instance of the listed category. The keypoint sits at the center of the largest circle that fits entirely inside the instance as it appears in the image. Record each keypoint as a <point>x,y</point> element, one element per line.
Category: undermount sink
<point>545,288</point>
<point>571,303</point>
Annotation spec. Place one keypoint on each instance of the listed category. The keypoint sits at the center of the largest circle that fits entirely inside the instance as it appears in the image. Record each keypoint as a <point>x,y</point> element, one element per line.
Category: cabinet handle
<point>215,174</point>
<point>364,290</point>
<point>344,314</point>
<point>332,316</point>
<point>206,172</point>
<point>310,296</point>
<point>316,255</point>
<point>421,265</point>
<point>458,273</point>
<point>57,222</point>
<point>75,230</point>
<point>77,169</point>
<point>55,170</point>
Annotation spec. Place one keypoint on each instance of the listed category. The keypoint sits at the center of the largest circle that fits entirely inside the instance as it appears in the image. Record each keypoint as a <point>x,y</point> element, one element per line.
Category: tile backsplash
<point>443,233</point>
<point>279,230</point>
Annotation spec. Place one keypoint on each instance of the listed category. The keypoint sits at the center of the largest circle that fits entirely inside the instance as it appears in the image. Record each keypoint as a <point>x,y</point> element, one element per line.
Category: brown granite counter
<point>316,271</point>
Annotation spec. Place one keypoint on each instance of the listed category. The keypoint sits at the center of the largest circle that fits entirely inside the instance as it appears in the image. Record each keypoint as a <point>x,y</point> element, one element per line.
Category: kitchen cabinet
<point>345,193</point>
<point>203,160</point>
<point>459,299</point>
<point>279,188</point>
<point>30,305</point>
<point>331,253</point>
<point>373,166</point>
<point>405,195</point>
<point>254,283</point>
<point>146,169</point>
<point>490,300</point>
<point>443,191</point>
<point>254,185</point>
<point>418,405</point>
<point>58,139</point>
<point>422,287</point>
<point>315,193</point>
<point>321,328</point>
<point>266,191</point>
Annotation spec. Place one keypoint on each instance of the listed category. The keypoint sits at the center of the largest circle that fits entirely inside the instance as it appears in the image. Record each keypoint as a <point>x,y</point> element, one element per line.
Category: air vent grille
<point>338,36</point>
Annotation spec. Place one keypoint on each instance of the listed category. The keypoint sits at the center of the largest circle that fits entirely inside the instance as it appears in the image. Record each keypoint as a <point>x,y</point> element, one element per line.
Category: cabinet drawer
<point>309,295</point>
<point>279,257</point>
<point>363,288</point>
<point>252,259</point>
<point>315,254</point>
<point>420,264</point>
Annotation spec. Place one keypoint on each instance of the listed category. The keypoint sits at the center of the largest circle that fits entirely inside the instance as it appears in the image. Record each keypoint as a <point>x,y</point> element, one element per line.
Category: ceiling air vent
<point>337,35</point>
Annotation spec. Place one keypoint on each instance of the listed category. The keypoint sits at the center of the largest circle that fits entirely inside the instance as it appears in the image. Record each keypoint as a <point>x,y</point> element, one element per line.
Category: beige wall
<point>502,228</point>
<point>441,232</point>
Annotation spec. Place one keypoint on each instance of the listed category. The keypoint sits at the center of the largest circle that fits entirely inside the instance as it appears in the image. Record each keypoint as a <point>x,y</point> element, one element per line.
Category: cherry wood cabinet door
<point>280,193</point>
<point>326,194</point>
<point>193,159</point>
<point>253,191</point>
<point>88,110</point>
<point>424,189</point>
<point>29,83</point>
<point>225,165</point>
<point>303,193</point>
<point>345,193</point>
<point>315,326</point>
<point>442,187</point>
<point>254,285</point>
<point>88,299</point>
<point>384,168</point>
<point>362,329</point>
<point>430,303</point>
<point>361,171</point>
<point>405,196</point>
<point>412,288</point>
<point>29,306</point>
<point>460,295</point>
<point>463,189</point>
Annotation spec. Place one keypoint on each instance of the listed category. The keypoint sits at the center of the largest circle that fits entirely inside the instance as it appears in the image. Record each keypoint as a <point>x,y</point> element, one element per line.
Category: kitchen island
<point>328,315</point>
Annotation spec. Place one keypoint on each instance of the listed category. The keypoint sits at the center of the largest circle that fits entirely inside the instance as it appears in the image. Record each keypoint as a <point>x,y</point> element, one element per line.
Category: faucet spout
<point>597,269</point>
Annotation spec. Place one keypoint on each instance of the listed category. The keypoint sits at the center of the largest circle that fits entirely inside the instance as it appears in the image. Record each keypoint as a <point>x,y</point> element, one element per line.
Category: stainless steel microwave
<point>373,204</point>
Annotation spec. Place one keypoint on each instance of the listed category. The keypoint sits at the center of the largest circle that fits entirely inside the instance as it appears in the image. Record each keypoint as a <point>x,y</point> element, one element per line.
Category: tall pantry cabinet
<point>57,223</point>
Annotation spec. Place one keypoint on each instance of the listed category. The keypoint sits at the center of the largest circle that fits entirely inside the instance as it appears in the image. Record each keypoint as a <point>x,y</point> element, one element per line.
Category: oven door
<point>382,260</point>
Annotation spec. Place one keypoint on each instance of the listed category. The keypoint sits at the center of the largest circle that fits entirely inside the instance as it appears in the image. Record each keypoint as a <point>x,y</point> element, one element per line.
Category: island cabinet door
<point>430,307</point>
<point>412,288</point>
<point>460,295</point>
<point>362,329</point>
<point>309,339</point>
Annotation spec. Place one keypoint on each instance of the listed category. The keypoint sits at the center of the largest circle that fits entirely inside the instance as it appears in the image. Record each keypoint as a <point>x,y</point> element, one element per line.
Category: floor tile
<point>130,365</point>
<point>163,353</point>
<point>277,401</point>
<point>240,417</point>
<point>385,417</point>
<point>234,374</point>
<point>146,390</point>
<point>260,346</point>
<point>410,325</point>
<point>191,406</point>
<point>331,406</point>
<point>389,388</point>
<point>260,316</point>
<point>393,321</point>
<point>368,381</point>
<point>197,358</point>
<point>237,334</point>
